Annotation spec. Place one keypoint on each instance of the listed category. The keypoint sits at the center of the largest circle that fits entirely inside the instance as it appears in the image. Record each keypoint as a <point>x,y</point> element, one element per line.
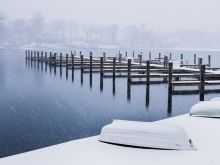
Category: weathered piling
<point>159,55</point>
<point>46,57</point>
<point>31,55</point>
<point>67,59</point>
<point>181,58</point>
<point>194,58</point>
<point>42,54</point>
<point>104,56</point>
<point>140,58</point>
<point>133,54</point>
<point>148,72</point>
<point>199,62</point>
<point>26,54</point>
<point>61,59</point>
<point>81,57</point>
<point>129,70</point>
<point>149,56</point>
<point>166,61</point>
<point>202,82</point>
<point>209,60</point>
<point>55,60</point>
<point>80,53</point>
<point>120,55</point>
<point>34,55</point>
<point>90,57</point>
<point>170,56</point>
<point>101,66</point>
<point>72,55</point>
<point>170,87</point>
<point>114,63</point>
<point>74,52</point>
<point>37,55</point>
<point>126,54</point>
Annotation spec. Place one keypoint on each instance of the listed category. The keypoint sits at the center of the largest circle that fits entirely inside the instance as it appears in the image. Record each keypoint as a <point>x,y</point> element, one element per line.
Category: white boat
<point>146,135</point>
<point>206,109</point>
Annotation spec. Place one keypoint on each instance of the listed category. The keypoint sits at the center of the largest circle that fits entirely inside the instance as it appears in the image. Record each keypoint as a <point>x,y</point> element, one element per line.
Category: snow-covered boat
<point>206,109</point>
<point>146,135</point>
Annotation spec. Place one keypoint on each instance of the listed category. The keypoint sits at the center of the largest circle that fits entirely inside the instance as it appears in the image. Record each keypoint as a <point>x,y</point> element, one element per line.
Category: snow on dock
<point>204,133</point>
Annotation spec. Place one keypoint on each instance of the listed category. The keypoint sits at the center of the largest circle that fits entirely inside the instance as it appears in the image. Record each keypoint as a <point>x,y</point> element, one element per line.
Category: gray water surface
<point>41,106</point>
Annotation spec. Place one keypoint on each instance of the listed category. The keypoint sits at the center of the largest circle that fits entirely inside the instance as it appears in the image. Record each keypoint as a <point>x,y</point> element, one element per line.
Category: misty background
<point>168,24</point>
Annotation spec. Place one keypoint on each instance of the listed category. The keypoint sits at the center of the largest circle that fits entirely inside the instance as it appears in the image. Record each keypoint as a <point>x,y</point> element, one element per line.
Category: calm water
<point>42,106</point>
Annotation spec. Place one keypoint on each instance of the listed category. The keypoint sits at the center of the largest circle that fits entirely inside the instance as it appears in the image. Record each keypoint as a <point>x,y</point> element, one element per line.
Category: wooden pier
<point>199,74</point>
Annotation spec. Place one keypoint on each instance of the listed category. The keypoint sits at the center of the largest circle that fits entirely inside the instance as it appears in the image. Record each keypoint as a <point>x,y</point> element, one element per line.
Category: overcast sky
<point>158,14</point>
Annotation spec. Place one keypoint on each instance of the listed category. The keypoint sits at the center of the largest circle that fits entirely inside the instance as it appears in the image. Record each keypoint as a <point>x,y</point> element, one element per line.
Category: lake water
<point>41,106</point>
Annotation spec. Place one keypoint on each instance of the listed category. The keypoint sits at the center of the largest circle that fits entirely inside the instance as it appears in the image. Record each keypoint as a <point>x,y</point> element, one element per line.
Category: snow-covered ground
<point>204,133</point>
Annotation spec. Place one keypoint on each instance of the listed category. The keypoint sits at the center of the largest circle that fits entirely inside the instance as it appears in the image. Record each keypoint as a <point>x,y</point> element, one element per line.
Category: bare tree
<point>19,29</point>
<point>143,26</point>
<point>73,30</point>
<point>89,31</point>
<point>113,29</point>
<point>131,34</point>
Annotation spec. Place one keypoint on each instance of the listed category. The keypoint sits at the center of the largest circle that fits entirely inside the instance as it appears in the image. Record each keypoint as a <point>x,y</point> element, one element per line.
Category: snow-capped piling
<point>195,59</point>
<point>170,80</point>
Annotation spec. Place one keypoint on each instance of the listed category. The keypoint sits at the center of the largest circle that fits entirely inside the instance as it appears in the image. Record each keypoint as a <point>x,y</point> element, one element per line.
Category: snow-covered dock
<point>204,132</point>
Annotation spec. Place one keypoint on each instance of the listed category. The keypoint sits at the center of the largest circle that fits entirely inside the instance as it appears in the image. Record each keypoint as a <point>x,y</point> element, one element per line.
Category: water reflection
<point>147,95</point>
<point>113,85</point>
<point>101,82</point>
<point>72,74</point>
<point>66,73</point>
<point>128,90</point>
<point>81,77</point>
<point>169,106</point>
<point>90,79</point>
<point>60,72</point>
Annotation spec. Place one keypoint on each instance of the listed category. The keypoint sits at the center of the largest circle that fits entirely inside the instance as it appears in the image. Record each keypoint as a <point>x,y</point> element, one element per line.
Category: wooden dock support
<point>74,52</point>
<point>61,59</point>
<point>209,60</point>
<point>159,55</point>
<point>149,56</point>
<point>148,72</point>
<point>194,58</point>
<point>42,54</point>
<point>170,87</point>
<point>140,58</point>
<point>38,56</point>
<point>181,58</point>
<point>202,82</point>
<point>114,63</point>
<point>119,57</point>
<point>129,70</point>
<point>133,54</point>
<point>46,57</point>
<point>170,56</point>
<point>72,55</point>
<point>104,56</point>
<point>81,57</point>
<point>90,57</point>
<point>67,59</point>
<point>199,62</point>
<point>31,55</point>
<point>101,66</point>
<point>55,60</point>
<point>126,54</point>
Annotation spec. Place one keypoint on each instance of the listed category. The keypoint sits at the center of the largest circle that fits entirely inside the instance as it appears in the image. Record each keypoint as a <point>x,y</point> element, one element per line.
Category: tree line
<point>72,33</point>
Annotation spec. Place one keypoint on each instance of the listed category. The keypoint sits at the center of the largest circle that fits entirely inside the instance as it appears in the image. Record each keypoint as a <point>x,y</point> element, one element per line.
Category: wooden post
<point>149,56</point>
<point>37,55</point>
<point>159,55</point>
<point>55,59</point>
<point>101,66</point>
<point>81,56</point>
<point>72,55</point>
<point>133,54</point>
<point>34,55</point>
<point>126,54</point>
<point>194,58</point>
<point>42,54</point>
<point>199,62</point>
<point>170,85</point>
<point>67,59</point>
<point>209,60</point>
<point>74,52</point>
<point>166,61</point>
<point>104,55</point>
<point>46,57</point>
<point>119,54</point>
<point>148,72</point>
<point>114,63</point>
<point>61,59</point>
<point>181,58</point>
<point>28,53</point>
<point>170,56</point>
<point>31,55</point>
<point>140,58</point>
<point>129,70</point>
<point>90,55</point>
<point>80,53</point>
<point>202,82</point>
